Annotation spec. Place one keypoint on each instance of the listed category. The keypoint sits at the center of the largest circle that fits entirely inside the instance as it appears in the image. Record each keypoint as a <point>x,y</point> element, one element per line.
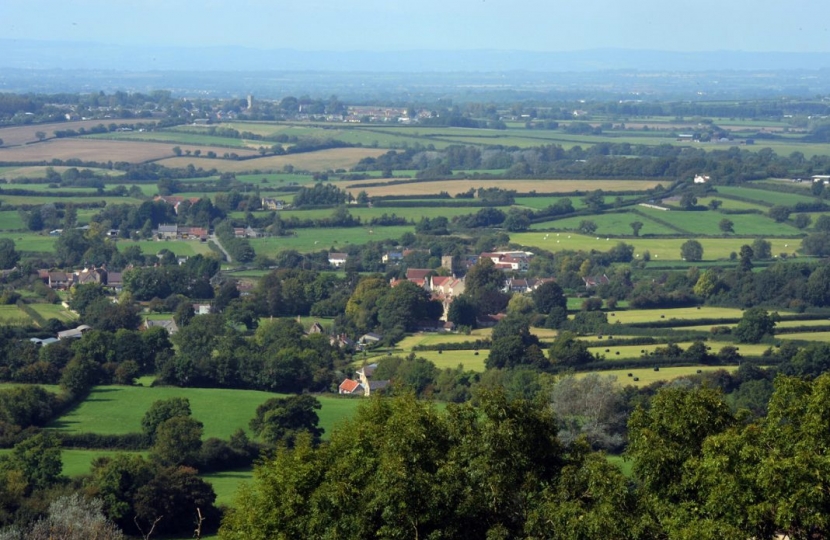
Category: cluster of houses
<point>362,384</point>
<point>509,261</point>
<point>178,232</point>
<point>60,280</point>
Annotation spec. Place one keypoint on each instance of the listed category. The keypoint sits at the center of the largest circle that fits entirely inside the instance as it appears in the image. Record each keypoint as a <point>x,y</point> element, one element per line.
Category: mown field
<point>119,409</point>
<point>659,248</point>
<point>766,196</point>
<point>39,171</point>
<point>306,240</point>
<point>101,151</point>
<point>648,376</point>
<point>615,223</point>
<point>707,222</point>
<point>321,160</point>
<point>182,248</point>
<point>688,313</point>
<point>627,352</point>
<point>454,187</point>
<point>54,311</point>
<point>26,134</point>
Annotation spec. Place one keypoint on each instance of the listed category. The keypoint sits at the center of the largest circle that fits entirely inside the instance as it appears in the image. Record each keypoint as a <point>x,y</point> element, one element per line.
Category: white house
<point>701,179</point>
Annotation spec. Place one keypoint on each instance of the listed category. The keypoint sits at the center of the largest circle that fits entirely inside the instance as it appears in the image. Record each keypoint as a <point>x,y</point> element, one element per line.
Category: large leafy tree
<point>281,420</point>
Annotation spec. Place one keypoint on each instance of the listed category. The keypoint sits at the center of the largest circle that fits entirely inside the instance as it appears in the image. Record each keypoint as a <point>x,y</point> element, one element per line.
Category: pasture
<point>11,221</point>
<point>470,360</point>
<point>119,409</point>
<point>182,248</point>
<point>648,376</point>
<point>627,352</point>
<point>686,313</point>
<point>39,171</point>
<point>321,160</point>
<point>764,196</point>
<point>707,222</point>
<point>226,483</point>
<point>26,134</point>
<point>13,316</point>
<point>307,240</point>
<point>659,248</point>
<point>612,223</point>
<point>39,199</point>
<point>806,336</point>
<point>174,137</point>
<point>99,150</point>
<point>454,187</point>
<point>54,311</point>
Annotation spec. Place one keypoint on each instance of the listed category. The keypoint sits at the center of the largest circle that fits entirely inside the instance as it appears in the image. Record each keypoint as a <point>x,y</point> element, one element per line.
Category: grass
<point>623,464</point>
<point>451,359</point>
<point>655,315</point>
<point>11,221</point>
<point>659,248</point>
<point>627,352</point>
<point>54,311</point>
<point>648,376</point>
<point>807,336</point>
<point>322,160</point>
<point>77,461</point>
<point>226,483</point>
<point>13,315</point>
<point>366,214</point>
<point>119,409</point>
<point>307,240</point>
<point>611,223</point>
<point>707,222</point>
<point>454,187</point>
<point>174,137</point>
<point>182,248</point>
<point>767,196</point>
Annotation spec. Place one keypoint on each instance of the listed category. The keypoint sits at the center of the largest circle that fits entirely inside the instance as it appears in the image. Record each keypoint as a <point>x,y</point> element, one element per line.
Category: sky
<point>394,25</point>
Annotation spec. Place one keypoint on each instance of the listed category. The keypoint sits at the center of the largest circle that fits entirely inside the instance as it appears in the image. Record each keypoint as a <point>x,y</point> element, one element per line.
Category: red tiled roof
<point>349,385</point>
<point>417,273</point>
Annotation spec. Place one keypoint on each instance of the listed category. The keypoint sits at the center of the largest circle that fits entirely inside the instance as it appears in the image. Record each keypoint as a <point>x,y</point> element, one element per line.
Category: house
<point>115,281</point>
<point>364,374</point>
<point>176,201</point>
<point>250,232</point>
<point>350,387</point>
<point>701,179</point>
<point>316,328</point>
<point>201,309</point>
<point>392,257</point>
<point>239,232</point>
<point>596,281</point>
<point>59,280</point>
<point>168,324</point>
<point>89,276</point>
<point>341,341</point>
<point>74,333</point>
<point>824,178</point>
<point>272,204</point>
<point>168,232</point>
<point>337,260</point>
<point>370,339</point>
<point>418,276</point>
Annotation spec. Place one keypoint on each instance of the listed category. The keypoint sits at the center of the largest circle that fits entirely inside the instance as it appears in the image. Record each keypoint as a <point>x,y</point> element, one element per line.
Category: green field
<point>366,214</point>
<point>33,242</point>
<point>11,221</point>
<point>648,375</point>
<point>766,196</point>
<point>119,409</point>
<point>13,315</point>
<point>177,137</point>
<point>53,311</point>
<point>46,198</point>
<point>807,336</point>
<point>182,248</point>
<point>451,359</point>
<point>659,248</point>
<point>707,222</point>
<point>627,352</point>
<point>77,461</point>
<point>656,315</point>
<point>226,483</point>
<point>307,240</point>
<point>616,223</point>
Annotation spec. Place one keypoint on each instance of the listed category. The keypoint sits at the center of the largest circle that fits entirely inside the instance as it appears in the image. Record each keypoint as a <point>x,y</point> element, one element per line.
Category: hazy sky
<point>534,25</point>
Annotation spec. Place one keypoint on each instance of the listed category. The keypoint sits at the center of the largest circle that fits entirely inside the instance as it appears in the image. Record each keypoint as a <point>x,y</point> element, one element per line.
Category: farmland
<point>119,409</point>
<point>454,187</point>
<point>306,240</point>
<point>321,160</point>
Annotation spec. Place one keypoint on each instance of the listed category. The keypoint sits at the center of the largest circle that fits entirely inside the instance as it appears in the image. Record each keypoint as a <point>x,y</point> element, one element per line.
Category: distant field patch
<point>708,222</point>
<point>451,359</point>
<point>173,137</point>
<point>306,240</point>
<point>322,160</point>
<point>767,196</point>
<point>45,198</point>
<point>32,242</point>
<point>648,376</point>
<point>54,311</point>
<point>25,134</point>
<point>659,248</point>
<point>39,171</point>
<point>454,187</point>
<point>689,313</point>
<point>182,248</point>
<point>807,336</point>
<point>610,223</point>
<point>97,150</point>
<point>11,221</point>
<point>119,409</point>
<point>627,352</point>
<point>226,483</point>
<point>13,316</point>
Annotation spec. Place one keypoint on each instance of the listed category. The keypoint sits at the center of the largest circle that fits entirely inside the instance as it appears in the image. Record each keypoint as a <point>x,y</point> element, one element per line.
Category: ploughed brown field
<point>453,187</point>
<point>321,160</point>
<point>25,134</point>
<point>104,150</point>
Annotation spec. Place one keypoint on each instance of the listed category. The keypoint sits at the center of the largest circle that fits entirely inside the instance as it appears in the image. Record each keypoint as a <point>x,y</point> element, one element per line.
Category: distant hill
<point>29,54</point>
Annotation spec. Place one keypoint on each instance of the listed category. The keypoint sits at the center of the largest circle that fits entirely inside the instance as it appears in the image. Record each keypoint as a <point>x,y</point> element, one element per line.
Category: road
<point>216,241</point>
